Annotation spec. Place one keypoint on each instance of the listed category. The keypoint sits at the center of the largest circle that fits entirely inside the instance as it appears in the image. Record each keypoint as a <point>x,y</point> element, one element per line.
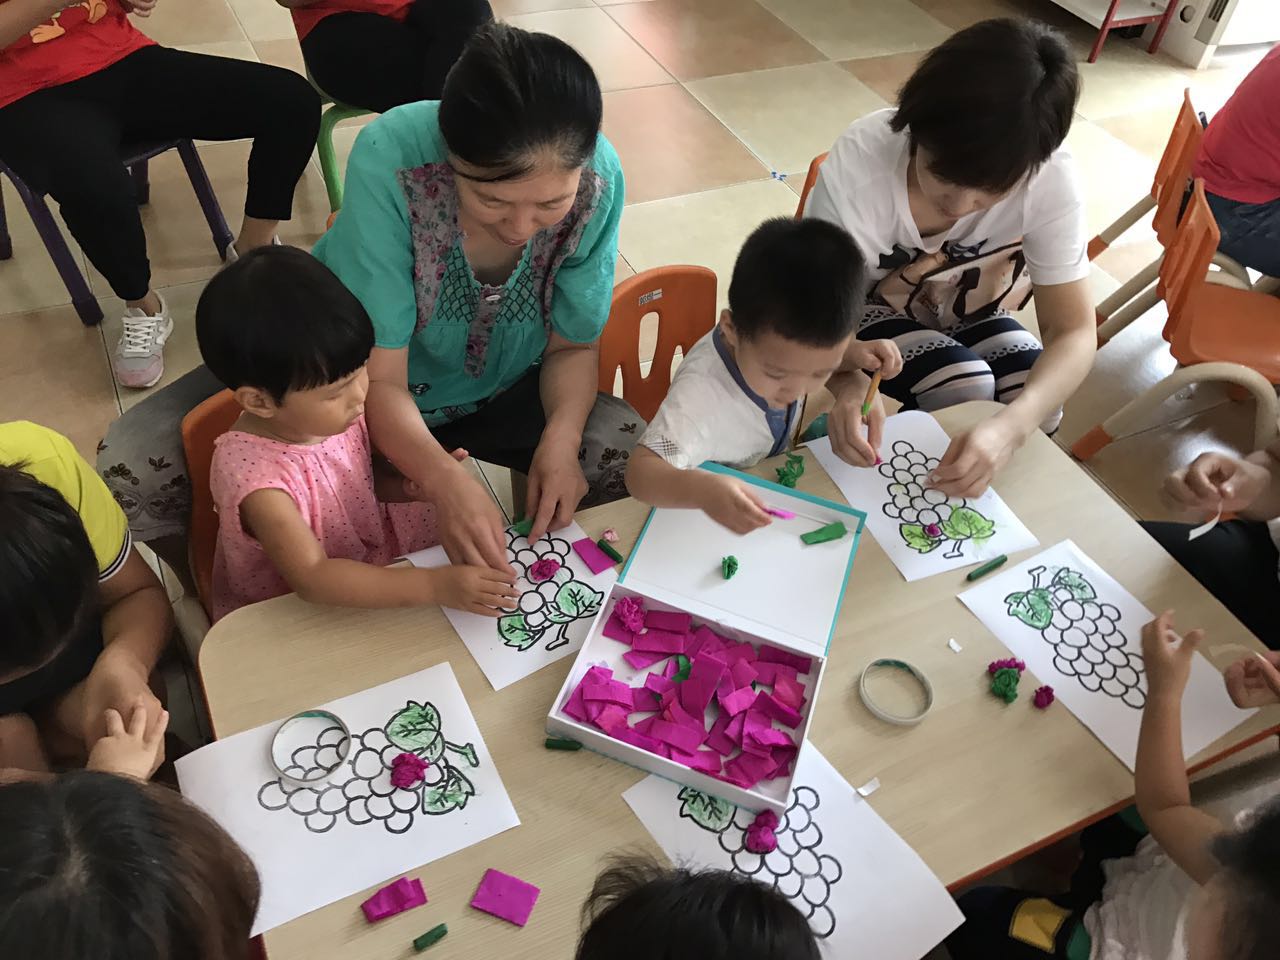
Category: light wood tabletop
<point>975,785</point>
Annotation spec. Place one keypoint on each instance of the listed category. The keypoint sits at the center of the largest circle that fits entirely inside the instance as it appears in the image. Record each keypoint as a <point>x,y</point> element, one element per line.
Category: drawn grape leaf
<point>710,813</point>
<point>1080,588</point>
<point>965,523</point>
<point>452,793</point>
<point>467,751</point>
<point>1033,607</point>
<point>577,600</point>
<point>416,728</point>
<point>914,536</point>
<point>515,632</point>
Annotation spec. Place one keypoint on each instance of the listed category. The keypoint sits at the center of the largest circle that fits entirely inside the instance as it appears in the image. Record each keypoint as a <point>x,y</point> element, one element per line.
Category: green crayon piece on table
<point>986,568</point>
<point>432,936</point>
<point>556,743</point>
<point>607,548</point>
<point>522,527</point>
<point>832,531</point>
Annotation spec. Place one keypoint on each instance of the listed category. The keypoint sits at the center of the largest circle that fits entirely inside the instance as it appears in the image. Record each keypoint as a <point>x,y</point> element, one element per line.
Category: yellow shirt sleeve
<point>50,458</point>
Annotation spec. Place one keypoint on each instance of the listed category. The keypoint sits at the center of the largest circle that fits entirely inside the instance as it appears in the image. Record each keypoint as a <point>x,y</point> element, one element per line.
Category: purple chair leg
<point>204,193</point>
<point>6,242</point>
<point>81,296</point>
<point>141,183</point>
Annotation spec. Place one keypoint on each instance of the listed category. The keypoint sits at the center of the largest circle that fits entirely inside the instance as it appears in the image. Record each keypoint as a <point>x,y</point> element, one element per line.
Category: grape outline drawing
<point>555,603</point>
<point>928,518</point>
<point>362,791</point>
<point>1085,634</point>
<point>795,869</point>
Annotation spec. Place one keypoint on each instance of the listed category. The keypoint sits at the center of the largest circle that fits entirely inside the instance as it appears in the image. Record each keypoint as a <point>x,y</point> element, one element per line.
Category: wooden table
<point>976,785</point>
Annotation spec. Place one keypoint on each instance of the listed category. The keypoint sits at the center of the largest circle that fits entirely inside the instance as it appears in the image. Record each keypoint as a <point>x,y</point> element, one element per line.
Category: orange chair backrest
<point>684,298</point>
<point>200,428</point>
<point>1186,261</point>
<point>810,179</point>
<point>1174,172</point>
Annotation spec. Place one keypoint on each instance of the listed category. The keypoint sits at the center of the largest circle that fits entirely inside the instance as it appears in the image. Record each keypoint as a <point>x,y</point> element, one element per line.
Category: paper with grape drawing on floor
<point>554,615</point>
<point>317,844</point>
<point>864,891</point>
<point>922,530</point>
<point>1081,632</point>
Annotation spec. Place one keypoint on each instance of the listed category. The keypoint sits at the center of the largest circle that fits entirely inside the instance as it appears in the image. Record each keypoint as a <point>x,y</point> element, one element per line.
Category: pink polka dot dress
<point>331,483</point>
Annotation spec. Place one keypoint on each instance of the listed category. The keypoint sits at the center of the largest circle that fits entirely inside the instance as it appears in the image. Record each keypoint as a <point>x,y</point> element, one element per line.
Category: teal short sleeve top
<point>398,247</point>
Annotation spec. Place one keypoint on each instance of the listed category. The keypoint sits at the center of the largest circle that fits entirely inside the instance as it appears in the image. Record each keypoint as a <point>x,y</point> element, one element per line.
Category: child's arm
<point>725,500</point>
<point>1250,487</point>
<point>853,440</point>
<point>272,518</point>
<point>1163,792</point>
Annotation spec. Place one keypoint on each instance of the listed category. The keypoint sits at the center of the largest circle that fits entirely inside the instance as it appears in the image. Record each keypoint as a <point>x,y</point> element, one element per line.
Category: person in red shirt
<point>412,43</point>
<point>78,82</point>
<point>1239,161</point>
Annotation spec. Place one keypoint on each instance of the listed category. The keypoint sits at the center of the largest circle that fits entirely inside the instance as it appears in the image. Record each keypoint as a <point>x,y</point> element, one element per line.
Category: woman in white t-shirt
<point>965,204</point>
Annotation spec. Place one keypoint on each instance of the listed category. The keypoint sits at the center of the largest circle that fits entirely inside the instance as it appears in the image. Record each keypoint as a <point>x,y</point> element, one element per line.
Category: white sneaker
<point>232,254</point>
<point>139,358</point>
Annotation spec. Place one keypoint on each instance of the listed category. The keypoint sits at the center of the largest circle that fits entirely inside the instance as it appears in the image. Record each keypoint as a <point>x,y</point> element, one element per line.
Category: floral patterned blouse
<point>398,247</point>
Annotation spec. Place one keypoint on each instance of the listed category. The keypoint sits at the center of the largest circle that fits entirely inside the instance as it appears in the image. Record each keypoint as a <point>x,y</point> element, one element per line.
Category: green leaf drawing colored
<point>452,793</point>
<point>467,752</point>
<point>710,813</point>
<point>965,523</point>
<point>416,728</point>
<point>1033,607</point>
<point>577,600</point>
<point>914,536</point>
<point>1080,588</point>
<point>515,632</point>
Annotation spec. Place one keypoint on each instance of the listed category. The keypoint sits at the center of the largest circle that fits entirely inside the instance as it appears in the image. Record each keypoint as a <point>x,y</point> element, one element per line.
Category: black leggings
<point>66,140</point>
<point>371,61</point>
<point>1236,562</point>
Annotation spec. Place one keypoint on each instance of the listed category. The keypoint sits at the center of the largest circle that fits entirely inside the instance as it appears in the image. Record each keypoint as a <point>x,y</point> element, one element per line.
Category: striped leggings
<point>987,359</point>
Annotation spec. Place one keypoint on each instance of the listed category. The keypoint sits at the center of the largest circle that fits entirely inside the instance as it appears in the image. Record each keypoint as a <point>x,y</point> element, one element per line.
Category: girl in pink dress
<point>301,506</point>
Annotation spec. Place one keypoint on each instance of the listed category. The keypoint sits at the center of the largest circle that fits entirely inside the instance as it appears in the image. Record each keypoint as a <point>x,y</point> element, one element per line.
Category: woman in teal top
<point>481,234</point>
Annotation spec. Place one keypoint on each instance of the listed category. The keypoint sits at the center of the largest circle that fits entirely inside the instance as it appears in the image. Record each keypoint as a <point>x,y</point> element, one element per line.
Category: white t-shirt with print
<point>711,414</point>
<point>1036,233</point>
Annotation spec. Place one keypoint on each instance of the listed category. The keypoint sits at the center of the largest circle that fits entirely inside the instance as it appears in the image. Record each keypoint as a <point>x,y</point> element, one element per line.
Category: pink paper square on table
<point>405,894</point>
<point>506,897</point>
<point>595,558</point>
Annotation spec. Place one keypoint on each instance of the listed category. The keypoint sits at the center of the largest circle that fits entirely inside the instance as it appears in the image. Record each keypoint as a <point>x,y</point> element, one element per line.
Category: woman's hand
<point>117,683</point>
<point>556,484</point>
<point>854,439</point>
<point>1167,657</point>
<point>876,355</point>
<point>1254,681</point>
<point>974,458</point>
<point>133,751</point>
<point>139,8</point>
<point>1216,481</point>
<point>472,528</point>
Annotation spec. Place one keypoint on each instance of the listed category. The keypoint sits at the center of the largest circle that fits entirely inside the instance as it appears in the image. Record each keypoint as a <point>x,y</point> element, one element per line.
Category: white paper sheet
<point>865,891</point>
<point>315,846</point>
<point>923,531</point>
<point>1081,632</point>
<point>554,616</point>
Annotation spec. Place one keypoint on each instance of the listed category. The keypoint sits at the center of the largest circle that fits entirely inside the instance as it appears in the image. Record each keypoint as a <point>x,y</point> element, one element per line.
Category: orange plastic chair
<point>684,298</point>
<point>1215,332</point>
<point>810,179</point>
<point>200,428</point>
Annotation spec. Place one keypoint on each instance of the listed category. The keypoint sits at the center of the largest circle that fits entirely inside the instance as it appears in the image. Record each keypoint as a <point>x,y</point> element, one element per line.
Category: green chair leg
<point>328,160</point>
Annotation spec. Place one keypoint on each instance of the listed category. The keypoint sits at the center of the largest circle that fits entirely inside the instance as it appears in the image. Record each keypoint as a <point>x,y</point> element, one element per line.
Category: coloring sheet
<point>865,892</point>
<point>554,617</point>
<point>317,844</point>
<point>1081,632</point>
<point>921,529</point>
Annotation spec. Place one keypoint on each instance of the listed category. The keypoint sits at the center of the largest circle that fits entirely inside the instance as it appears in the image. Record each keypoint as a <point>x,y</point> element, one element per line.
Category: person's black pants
<point>371,61</point>
<point>1236,562</point>
<point>66,140</point>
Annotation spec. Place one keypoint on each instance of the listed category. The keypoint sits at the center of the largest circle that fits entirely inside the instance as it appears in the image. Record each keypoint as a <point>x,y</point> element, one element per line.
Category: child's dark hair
<point>991,103</point>
<point>96,865</point>
<point>48,572</point>
<point>1250,860</point>
<point>639,910</point>
<point>514,95</point>
<point>803,279</point>
<point>279,320</point>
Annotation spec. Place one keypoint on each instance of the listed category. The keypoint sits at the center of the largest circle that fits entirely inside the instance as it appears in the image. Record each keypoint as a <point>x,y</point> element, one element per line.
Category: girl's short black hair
<point>803,279</point>
<point>639,910</point>
<point>991,103</point>
<point>514,95</point>
<point>1250,860</point>
<point>97,865</point>
<point>279,320</point>
<point>48,572</point>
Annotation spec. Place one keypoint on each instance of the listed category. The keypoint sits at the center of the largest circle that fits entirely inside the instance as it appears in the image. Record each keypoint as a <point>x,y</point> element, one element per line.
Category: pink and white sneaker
<point>139,357</point>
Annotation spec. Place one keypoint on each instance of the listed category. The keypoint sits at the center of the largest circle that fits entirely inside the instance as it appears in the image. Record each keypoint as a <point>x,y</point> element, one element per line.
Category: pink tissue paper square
<point>595,558</point>
<point>771,654</point>
<point>671,620</point>
<point>614,630</point>
<point>640,659</point>
<point>506,897</point>
<point>394,898</point>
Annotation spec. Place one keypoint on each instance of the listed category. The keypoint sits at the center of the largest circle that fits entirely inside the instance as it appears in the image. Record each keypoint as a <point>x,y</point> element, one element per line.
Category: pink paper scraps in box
<point>405,894</point>
<point>506,897</point>
<point>596,559</point>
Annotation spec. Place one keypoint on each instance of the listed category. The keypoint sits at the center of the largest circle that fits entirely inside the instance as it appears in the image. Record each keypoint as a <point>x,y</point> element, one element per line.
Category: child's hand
<point>1167,660</point>
<point>729,503</point>
<point>856,439</point>
<point>477,590</point>
<point>1215,480</point>
<point>1254,681</point>
<point>134,752</point>
<point>873,355</point>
